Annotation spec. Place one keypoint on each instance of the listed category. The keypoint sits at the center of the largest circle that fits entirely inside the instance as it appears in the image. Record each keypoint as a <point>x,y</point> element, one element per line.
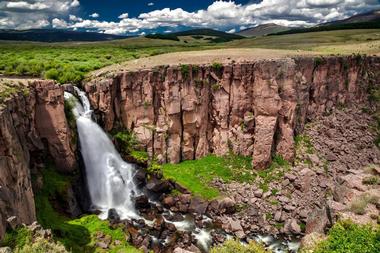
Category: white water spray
<point>109,178</point>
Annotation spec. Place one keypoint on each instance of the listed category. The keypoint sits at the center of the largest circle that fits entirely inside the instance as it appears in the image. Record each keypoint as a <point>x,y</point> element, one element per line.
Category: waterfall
<point>109,178</point>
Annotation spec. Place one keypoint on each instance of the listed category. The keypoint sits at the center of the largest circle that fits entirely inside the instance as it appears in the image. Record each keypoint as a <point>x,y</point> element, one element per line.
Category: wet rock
<point>168,201</point>
<point>158,186</point>
<point>113,216</point>
<point>142,201</point>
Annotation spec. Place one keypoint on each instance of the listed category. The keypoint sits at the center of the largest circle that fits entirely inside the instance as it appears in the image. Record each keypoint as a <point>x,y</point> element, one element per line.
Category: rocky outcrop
<point>30,125</point>
<point>253,108</point>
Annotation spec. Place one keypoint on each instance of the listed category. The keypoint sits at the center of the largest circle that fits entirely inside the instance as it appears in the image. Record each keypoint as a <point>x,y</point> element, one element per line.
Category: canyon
<point>253,108</point>
<point>178,113</point>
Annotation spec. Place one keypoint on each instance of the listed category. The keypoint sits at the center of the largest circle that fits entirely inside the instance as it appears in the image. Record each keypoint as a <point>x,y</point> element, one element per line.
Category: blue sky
<point>150,16</point>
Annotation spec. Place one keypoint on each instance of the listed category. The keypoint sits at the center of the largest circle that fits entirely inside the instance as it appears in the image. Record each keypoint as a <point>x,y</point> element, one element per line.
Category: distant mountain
<point>368,20</point>
<point>55,35</point>
<point>264,29</point>
<point>219,36</point>
<point>371,16</point>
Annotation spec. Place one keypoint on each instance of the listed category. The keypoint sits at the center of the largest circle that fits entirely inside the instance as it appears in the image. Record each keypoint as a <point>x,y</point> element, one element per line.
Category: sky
<point>139,17</point>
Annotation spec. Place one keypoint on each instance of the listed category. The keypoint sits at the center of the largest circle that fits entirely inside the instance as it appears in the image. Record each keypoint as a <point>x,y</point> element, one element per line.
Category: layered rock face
<point>253,108</point>
<point>30,125</point>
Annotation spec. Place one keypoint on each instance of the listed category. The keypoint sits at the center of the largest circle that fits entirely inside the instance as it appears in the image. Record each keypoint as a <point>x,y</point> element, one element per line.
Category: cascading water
<point>109,178</point>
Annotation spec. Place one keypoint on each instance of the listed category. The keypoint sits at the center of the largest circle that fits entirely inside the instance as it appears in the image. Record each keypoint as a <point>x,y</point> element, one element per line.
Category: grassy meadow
<point>70,62</point>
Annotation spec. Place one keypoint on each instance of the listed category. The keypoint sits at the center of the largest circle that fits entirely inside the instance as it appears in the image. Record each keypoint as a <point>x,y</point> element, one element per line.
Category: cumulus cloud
<point>124,15</point>
<point>150,4</point>
<point>94,15</point>
<point>223,15</point>
<point>27,14</point>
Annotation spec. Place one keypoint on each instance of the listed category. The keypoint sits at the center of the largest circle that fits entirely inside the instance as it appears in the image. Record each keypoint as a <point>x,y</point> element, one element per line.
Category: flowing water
<point>110,179</point>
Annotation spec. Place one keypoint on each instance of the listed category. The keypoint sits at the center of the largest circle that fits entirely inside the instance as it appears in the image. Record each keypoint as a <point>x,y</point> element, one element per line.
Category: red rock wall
<point>30,125</point>
<point>253,108</point>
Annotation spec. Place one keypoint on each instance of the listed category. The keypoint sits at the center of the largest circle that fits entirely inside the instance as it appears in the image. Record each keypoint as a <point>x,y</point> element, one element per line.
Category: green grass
<point>70,62</point>
<point>8,89</point>
<point>348,237</point>
<point>197,175</point>
<point>76,235</point>
<point>16,238</point>
<point>235,246</point>
<point>276,171</point>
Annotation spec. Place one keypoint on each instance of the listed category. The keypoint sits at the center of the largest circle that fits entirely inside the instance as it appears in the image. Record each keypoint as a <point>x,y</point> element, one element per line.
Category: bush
<point>234,246</point>
<point>348,237</point>
<point>372,180</point>
<point>42,245</point>
<point>52,74</point>
<point>359,205</point>
<point>126,140</point>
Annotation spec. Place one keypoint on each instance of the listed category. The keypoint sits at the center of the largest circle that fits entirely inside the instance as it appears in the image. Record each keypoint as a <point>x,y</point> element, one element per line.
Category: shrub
<point>217,66</point>
<point>126,140</point>
<point>348,237</point>
<point>41,245</point>
<point>359,204</point>
<point>52,74</point>
<point>185,70</point>
<point>372,180</point>
<point>234,246</point>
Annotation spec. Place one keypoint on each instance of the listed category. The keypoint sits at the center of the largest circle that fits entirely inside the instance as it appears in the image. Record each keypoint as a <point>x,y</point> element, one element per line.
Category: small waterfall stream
<point>109,178</point>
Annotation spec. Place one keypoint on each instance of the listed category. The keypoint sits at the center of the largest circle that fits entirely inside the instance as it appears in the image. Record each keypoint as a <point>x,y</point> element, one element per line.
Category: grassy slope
<point>316,41</point>
<point>77,235</point>
<point>69,62</point>
<point>197,175</point>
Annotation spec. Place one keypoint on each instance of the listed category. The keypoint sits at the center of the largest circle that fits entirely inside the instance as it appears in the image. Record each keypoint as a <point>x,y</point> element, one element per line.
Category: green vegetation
<point>70,62</point>
<point>8,88</point>
<point>21,240</point>
<point>371,180</point>
<point>234,246</point>
<point>185,70</point>
<point>304,141</point>
<point>77,235</point>
<point>126,141</point>
<point>359,205</point>
<point>69,106</point>
<point>348,237</point>
<point>276,171</point>
<point>197,175</point>
<point>17,238</point>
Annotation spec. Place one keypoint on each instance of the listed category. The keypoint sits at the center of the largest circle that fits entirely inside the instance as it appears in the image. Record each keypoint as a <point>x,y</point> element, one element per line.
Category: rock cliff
<point>31,124</point>
<point>252,108</point>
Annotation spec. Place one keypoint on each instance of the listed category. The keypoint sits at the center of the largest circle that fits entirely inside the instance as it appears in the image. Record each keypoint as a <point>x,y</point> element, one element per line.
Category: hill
<point>264,29</point>
<point>211,35</point>
<point>368,20</point>
<point>55,35</point>
<point>371,16</point>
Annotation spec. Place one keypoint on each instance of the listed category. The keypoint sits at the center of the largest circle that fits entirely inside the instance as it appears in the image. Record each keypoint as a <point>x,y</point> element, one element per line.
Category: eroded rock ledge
<point>31,126</point>
<point>252,108</point>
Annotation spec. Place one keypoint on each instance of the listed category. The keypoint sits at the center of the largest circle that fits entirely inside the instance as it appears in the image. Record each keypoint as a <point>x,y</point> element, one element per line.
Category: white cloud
<point>27,14</point>
<point>59,23</point>
<point>26,6</point>
<point>223,15</point>
<point>124,15</point>
<point>94,15</point>
<point>233,30</point>
<point>75,3</point>
<point>150,4</point>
